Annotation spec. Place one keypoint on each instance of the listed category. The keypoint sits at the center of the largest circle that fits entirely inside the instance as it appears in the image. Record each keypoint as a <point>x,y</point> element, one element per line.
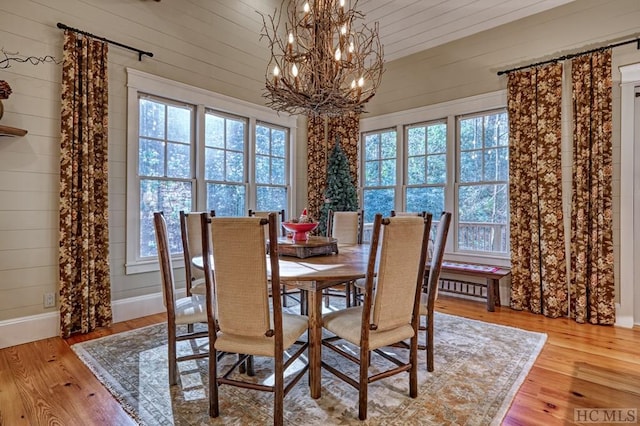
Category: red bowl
<point>299,230</point>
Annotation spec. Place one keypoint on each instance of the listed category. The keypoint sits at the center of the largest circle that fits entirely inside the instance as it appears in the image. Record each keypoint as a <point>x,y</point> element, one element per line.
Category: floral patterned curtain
<point>321,136</point>
<point>85,288</point>
<point>592,282</point>
<point>316,164</point>
<point>538,282</point>
<point>347,127</point>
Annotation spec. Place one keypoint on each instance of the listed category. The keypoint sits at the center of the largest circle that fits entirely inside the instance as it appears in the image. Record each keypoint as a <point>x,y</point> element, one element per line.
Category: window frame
<point>447,112</point>
<point>459,183</point>
<point>245,181</point>
<point>139,82</point>
<point>287,160</point>
<point>405,180</point>
<point>363,162</point>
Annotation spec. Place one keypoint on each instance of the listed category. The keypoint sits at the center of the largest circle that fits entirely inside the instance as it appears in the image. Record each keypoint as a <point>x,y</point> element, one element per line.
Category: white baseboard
<point>623,320</point>
<point>43,326</point>
<point>17,331</point>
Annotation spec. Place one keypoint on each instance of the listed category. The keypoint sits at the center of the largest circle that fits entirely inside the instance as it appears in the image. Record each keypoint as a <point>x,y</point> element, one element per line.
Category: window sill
<point>145,266</point>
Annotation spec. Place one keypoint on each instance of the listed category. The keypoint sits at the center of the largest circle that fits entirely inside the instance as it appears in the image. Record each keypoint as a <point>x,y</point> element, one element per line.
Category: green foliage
<point>340,193</point>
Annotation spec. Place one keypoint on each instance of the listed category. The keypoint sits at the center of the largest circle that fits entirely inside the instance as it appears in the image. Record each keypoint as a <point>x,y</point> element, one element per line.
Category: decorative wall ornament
<point>7,57</point>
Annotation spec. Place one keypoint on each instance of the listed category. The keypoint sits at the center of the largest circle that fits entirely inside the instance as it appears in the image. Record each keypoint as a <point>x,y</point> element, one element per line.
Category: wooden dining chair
<point>187,310</point>
<point>191,233</point>
<point>280,217</point>
<point>246,323</point>
<point>395,213</point>
<point>347,228</point>
<point>430,289</point>
<point>287,291</point>
<point>359,284</point>
<point>390,313</point>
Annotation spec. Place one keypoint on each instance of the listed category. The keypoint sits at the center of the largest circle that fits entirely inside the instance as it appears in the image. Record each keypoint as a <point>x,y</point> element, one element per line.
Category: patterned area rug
<point>478,369</point>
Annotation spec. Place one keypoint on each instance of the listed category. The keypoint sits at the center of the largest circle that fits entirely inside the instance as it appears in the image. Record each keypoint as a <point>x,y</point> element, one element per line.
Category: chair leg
<point>365,357</point>
<point>278,394</point>
<point>173,365</point>
<point>214,408</point>
<point>347,293</point>
<point>429,344</point>
<point>413,372</point>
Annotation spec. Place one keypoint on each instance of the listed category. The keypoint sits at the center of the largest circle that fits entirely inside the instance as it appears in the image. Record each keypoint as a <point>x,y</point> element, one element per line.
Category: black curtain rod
<point>573,55</point>
<point>75,30</point>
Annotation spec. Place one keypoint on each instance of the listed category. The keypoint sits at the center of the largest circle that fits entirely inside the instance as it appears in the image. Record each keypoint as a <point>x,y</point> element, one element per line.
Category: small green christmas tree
<point>340,193</point>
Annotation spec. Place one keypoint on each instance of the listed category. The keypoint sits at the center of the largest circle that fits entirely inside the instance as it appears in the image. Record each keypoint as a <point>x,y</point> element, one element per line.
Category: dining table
<point>312,275</point>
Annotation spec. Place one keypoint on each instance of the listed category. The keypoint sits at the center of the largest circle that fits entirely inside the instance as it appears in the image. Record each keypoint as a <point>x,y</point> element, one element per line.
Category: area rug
<point>478,370</point>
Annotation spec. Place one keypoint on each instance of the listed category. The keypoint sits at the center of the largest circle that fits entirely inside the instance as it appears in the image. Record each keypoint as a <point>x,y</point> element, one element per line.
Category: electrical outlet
<point>49,300</point>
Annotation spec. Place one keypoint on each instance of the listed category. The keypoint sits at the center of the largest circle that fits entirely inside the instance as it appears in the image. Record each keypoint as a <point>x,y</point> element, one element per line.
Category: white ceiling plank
<point>409,26</point>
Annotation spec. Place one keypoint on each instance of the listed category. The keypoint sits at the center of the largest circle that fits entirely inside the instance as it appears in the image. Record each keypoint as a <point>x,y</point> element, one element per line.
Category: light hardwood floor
<point>581,366</point>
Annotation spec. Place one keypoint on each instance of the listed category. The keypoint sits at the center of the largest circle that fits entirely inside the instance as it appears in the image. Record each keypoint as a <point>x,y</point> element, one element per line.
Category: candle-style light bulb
<point>306,7</point>
<point>351,47</point>
<point>341,3</point>
<point>294,70</point>
<point>361,82</point>
<point>353,84</point>
<point>338,54</point>
<point>290,38</point>
<point>343,29</point>
<point>276,71</point>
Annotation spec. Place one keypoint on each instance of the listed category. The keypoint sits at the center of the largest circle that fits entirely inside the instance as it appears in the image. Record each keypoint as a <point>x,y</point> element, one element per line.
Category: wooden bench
<point>492,275</point>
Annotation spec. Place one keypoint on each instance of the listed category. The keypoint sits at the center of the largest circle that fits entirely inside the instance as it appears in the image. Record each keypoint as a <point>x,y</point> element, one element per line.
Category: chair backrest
<point>239,254</point>
<point>265,214</point>
<point>166,266</point>
<point>191,232</point>
<point>400,270</point>
<point>346,227</point>
<point>400,214</point>
<point>437,257</point>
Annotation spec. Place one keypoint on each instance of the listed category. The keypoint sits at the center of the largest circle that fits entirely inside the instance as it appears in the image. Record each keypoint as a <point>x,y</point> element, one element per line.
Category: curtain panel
<point>316,165</point>
<point>538,260</point>
<point>84,283</point>
<point>321,136</point>
<point>591,279</point>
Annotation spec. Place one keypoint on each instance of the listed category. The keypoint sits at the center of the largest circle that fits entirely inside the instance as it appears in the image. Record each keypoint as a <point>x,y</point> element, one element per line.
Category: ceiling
<point>409,26</point>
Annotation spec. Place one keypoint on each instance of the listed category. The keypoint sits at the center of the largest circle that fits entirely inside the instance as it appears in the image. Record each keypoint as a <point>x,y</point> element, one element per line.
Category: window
<point>224,158</point>
<point>271,167</point>
<point>194,150</point>
<point>426,168</point>
<point>165,168</point>
<point>483,175</point>
<point>379,173</point>
<point>452,157</point>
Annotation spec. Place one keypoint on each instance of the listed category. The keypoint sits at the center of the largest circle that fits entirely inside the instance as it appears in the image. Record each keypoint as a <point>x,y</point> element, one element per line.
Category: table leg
<point>314,304</point>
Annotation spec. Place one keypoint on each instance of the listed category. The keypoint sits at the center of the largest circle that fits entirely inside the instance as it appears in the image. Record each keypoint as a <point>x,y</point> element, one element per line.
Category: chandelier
<point>321,64</point>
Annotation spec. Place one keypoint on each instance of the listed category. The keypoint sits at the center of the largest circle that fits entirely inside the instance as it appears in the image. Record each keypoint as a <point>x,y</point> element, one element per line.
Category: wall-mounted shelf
<point>11,131</point>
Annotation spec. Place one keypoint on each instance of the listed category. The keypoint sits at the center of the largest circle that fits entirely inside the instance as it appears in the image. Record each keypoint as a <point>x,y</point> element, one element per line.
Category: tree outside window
<point>165,140</point>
